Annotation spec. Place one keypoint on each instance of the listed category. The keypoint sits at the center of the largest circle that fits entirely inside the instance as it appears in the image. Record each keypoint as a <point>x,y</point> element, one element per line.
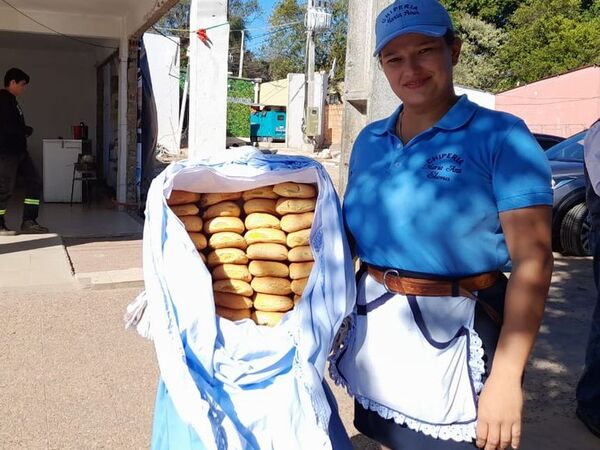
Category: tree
<point>478,66</point>
<point>496,12</point>
<point>331,45</point>
<point>239,13</point>
<point>284,48</point>
<point>549,37</point>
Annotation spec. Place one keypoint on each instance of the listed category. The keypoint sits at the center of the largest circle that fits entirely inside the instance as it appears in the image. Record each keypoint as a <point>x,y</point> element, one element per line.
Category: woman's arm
<point>528,238</point>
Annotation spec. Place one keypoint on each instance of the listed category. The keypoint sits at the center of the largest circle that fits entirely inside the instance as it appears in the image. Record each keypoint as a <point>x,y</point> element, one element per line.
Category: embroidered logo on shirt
<point>444,166</point>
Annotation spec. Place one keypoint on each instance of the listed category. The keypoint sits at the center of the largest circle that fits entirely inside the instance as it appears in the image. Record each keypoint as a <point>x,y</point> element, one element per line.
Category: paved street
<point>73,378</point>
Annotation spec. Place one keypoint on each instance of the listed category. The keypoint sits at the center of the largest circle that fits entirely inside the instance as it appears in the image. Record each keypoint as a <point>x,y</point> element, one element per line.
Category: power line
<point>168,37</point>
<point>81,41</point>
<point>271,27</point>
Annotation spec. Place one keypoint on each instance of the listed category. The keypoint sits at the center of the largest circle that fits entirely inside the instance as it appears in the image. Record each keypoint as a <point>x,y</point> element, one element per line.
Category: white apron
<point>416,360</point>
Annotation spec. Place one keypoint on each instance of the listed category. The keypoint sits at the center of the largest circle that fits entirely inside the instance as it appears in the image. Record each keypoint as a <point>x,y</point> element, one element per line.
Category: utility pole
<point>241,55</point>
<point>310,60</point>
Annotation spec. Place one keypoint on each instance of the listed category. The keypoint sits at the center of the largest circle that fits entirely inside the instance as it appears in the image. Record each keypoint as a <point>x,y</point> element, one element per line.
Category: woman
<point>440,196</point>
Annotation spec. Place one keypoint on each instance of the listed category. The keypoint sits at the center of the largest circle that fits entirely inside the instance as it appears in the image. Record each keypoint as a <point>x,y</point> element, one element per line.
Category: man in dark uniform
<point>588,388</point>
<point>14,158</point>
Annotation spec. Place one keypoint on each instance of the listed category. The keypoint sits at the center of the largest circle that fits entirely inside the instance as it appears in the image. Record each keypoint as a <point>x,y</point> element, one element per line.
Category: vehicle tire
<point>575,231</point>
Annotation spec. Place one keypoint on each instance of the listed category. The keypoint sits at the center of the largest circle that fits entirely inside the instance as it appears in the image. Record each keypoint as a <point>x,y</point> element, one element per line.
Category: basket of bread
<point>256,244</point>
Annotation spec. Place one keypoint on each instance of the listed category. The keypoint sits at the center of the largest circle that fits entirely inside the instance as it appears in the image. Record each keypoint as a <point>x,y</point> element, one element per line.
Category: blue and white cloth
<point>238,385</point>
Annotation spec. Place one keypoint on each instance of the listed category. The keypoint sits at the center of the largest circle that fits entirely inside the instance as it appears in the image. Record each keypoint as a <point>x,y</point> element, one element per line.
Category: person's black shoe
<point>588,421</point>
<point>5,231</point>
<point>32,227</point>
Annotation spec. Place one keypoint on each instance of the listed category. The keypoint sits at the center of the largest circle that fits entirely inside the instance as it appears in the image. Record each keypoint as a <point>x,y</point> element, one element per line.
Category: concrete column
<point>208,78</point>
<point>122,163</point>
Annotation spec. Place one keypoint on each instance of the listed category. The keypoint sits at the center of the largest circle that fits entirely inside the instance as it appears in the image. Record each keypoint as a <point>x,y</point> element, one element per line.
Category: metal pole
<point>241,55</point>
<point>310,70</point>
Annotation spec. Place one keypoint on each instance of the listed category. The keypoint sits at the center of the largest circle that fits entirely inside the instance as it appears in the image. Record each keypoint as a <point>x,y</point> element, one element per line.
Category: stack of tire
<point>258,249</point>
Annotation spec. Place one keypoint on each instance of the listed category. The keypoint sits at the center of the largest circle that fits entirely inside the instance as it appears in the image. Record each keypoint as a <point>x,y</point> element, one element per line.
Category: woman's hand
<point>499,414</point>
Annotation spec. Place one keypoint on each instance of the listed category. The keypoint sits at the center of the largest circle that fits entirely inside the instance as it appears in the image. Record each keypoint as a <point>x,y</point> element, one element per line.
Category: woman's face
<point>419,68</point>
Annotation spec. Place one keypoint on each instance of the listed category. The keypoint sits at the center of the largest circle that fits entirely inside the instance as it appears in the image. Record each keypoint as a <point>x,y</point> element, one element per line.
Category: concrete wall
<point>561,105</point>
<point>295,108</point>
<point>274,93</point>
<point>163,59</point>
<point>62,92</point>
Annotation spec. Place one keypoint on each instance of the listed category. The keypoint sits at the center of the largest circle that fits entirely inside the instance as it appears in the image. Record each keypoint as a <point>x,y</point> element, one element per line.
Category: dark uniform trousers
<point>20,164</point>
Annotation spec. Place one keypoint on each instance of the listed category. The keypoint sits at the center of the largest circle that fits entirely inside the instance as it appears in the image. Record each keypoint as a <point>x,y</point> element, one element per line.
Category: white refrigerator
<point>59,156</point>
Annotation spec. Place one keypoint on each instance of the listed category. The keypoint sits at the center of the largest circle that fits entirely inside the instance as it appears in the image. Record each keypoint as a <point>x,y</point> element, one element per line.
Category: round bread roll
<point>232,301</point>
<point>233,287</point>
<point>213,198</point>
<point>199,240</point>
<point>188,209</point>
<point>271,285</point>
<point>299,285</point>
<point>268,269</point>
<point>182,197</point>
<point>227,239</point>
<point>231,271</point>
<point>269,318</point>
<point>220,224</point>
<point>296,222</point>
<point>268,252</point>
<point>297,299</point>
<point>192,223</point>
<point>298,238</point>
<point>227,256</point>
<point>260,192</point>
<point>262,205</point>
<point>223,209</point>
<point>233,314</point>
<point>261,220</point>
<point>300,254</point>
<point>295,190</point>
<point>300,270</point>
<point>270,302</point>
<point>267,235</point>
<point>295,205</point>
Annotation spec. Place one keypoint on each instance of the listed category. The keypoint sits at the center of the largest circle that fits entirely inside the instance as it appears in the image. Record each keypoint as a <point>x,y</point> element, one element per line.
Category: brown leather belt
<point>394,282</point>
<point>463,287</point>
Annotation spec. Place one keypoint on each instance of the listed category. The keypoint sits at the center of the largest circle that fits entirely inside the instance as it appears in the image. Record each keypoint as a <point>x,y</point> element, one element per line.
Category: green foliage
<point>285,48</point>
<point>550,37</point>
<point>331,45</point>
<point>496,12</point>
<point>478,66</point>
<point>238,115</point>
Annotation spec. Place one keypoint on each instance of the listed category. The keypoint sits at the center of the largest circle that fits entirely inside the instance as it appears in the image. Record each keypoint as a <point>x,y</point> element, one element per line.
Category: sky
<point>261,21</point>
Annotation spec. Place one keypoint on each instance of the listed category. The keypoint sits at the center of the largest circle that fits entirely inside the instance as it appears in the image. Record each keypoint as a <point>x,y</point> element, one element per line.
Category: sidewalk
<point>94,247</point>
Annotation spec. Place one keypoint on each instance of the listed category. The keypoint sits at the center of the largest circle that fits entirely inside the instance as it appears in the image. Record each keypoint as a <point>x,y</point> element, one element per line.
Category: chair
<point>84,170</point>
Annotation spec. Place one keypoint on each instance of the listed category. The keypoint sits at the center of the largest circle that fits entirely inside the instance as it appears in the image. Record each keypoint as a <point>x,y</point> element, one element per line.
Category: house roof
<point>568,72</point>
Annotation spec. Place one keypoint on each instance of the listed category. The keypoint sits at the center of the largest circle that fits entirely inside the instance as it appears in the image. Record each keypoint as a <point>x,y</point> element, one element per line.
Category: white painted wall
<point>482,98</point>
<point>62,93</point>
<point>163,59</point>
<point>295,108</point>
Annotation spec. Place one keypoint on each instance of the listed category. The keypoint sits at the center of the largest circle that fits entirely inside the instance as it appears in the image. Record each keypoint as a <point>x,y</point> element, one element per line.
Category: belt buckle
<point>385,274</point>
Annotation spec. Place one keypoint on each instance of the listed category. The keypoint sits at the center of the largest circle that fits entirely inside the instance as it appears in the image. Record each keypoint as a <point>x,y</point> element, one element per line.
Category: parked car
<point>570,221</point>
<point>547,141</point>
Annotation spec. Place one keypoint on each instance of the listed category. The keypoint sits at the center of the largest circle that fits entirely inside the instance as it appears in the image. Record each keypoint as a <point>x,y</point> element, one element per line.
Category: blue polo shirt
<point>433,205</point>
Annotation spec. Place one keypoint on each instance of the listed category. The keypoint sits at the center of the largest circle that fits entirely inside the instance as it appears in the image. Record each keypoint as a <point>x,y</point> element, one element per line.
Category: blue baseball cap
<point>426,17</point>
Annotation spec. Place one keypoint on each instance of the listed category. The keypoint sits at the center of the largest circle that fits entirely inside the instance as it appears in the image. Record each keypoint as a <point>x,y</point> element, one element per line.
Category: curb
<point>112,279</point>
